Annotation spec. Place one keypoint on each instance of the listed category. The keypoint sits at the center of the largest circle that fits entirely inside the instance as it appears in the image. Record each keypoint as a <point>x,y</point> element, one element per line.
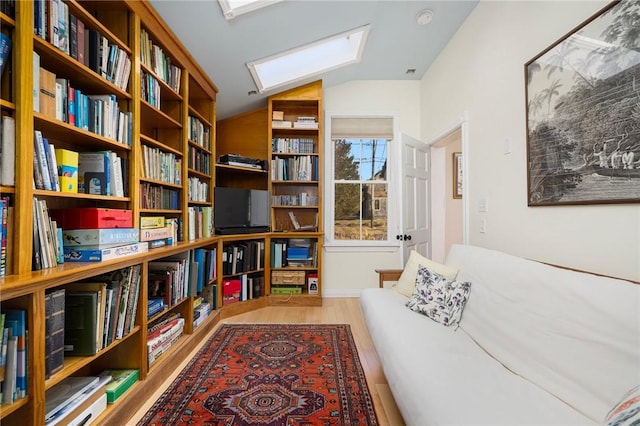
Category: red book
<point>71,106</point>
<point>80,37</point>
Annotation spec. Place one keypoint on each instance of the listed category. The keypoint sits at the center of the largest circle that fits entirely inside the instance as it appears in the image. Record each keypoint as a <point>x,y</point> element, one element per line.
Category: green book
<point>120,383</point>
<point>81,316</point>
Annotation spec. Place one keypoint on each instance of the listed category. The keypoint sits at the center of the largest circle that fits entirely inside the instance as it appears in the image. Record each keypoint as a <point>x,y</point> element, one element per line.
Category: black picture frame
<point>583,113</point>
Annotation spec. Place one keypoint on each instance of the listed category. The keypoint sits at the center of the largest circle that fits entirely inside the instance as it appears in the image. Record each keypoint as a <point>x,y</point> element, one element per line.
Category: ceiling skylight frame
<point>233,8</point>
<point>352,42</point>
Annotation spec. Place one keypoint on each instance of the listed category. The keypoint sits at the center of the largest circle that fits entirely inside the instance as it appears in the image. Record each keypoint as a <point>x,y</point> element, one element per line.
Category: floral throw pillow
<point>439,298</point>
<point>627,411</point>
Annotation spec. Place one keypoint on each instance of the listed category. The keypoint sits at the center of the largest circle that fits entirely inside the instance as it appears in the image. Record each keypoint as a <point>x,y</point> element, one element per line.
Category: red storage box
<point>92,218</point>
<point>231,290</point>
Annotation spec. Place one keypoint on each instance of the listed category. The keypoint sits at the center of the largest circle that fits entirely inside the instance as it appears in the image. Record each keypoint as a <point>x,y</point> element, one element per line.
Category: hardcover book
<point>47,93</point>
<point>93,173</point>
<point>67,170</point>
<point>54,329</point>
<point>81,323</point>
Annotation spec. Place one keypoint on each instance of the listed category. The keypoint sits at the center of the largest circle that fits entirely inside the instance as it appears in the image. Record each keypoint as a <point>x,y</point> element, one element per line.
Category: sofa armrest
<point>388,275</point>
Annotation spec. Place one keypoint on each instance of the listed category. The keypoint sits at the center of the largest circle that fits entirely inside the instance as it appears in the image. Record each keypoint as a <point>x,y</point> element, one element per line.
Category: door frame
<point>462,124</point>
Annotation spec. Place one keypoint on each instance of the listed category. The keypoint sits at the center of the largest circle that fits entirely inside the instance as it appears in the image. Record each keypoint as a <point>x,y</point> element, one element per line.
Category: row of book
<point>160,165</point>
<point>99,312</point>
<point>243,257</point>
<point>170,279</point>
<point>13,355</point>
<point>149,89</point>
<point>301,199</point>
<point>97,113</point>
<point>200,222</point>
<point>161,334</point>
<point>6,233</point>
<point>76,399</point>
<point>158,197</point>
<point>153,57</point>
<point>5,50</point>
<point>197,190</point>
<point>293,145</point>
<point>199,133</point>
<point>63,170</point>
<point>199,161</point>
<point>47,250</point>
<point>294,252</point>
<point>241,288</point>
<point>8,7</point>
<point>302,168</point>
<point>54,23</point>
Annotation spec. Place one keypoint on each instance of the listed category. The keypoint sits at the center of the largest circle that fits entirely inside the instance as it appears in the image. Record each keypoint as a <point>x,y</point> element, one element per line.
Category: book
<point>152,222</point>
<point>64,393</point>
<point>83,407</point>
<point>67,162</point>
<point>150,234</point>
<point>42,165</point>
<point>35,93</point>
<point>122,380</point>
<point>5,50</point>
<point>19,318</point>
<point>97,254</point>
<point>81,319</point>
<point>9,389</point>
<point>54,329</point>
<point>47,93</point>
<point>52,162</point>
<point>8,151</point>
<point>101,237</point>
<point>93,173</point>
<point>99,287</point>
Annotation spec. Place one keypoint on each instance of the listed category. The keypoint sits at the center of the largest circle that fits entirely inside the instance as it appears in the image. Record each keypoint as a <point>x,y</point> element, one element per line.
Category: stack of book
<point>157,236</point>
<point>75,399</point>
<point>278,121</point>
<point>96,234</point>
<point>163,333</point>
<point>305,123</point>
<point>13,360</point>
<point>201,311</point>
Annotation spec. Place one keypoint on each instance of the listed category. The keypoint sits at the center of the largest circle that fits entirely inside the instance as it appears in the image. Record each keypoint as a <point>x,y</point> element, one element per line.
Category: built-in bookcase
<point>143,121</point>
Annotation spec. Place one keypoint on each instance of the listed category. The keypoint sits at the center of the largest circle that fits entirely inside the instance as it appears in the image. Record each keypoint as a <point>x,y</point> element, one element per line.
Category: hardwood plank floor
<point>332,311</point>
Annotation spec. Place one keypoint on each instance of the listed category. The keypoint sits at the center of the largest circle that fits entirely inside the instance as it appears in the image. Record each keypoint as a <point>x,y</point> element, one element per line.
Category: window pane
<point>374,220</point>
<point>347,158</point>
<point>373,164</point>
<point>347,212</point>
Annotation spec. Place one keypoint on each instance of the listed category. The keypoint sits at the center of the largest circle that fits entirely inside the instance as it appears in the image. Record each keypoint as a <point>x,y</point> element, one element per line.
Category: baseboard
<point>342,292</point>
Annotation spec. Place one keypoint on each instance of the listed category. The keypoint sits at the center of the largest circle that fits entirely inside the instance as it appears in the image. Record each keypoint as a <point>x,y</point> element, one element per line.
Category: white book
<point>8,151</point>
<point>117,187</point>
<point>42,160</point>
<point>11,371</point>
<point>53,167</point>
<point>36,82</point>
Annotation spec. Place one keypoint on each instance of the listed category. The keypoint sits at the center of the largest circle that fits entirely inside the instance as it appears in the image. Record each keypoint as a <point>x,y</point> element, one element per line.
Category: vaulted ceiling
<point>396,42</point>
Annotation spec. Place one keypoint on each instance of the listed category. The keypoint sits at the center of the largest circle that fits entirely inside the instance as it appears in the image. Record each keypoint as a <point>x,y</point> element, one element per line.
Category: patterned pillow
<point>627,411</point>
<point>439,298</point>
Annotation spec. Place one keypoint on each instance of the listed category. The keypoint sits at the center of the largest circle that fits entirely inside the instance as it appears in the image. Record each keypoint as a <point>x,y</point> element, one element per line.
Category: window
<point>309,60</point>
<point>360,186</point>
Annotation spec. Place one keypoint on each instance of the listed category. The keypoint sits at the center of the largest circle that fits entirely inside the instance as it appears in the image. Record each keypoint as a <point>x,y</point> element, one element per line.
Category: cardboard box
<point>92,218</point>
<point>121,381</point>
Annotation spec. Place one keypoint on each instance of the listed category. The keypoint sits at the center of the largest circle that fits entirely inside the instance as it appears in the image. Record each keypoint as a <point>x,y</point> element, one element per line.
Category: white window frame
<point>394,216</point>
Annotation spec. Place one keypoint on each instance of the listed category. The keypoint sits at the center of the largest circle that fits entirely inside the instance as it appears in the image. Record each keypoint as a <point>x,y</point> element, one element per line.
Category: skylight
<point>309,60</point>
<point>233,8</point>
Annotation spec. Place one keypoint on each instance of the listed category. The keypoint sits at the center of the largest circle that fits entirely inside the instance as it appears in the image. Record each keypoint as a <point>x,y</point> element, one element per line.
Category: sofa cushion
<point>575,334</point>
<point>439,298</point>
<point>407,281</point>
<point>627,411</point>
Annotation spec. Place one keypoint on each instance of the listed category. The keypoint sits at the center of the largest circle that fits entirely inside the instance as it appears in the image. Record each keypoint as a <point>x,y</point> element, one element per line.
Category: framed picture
<point>583,113</point>
<point>457,175</point>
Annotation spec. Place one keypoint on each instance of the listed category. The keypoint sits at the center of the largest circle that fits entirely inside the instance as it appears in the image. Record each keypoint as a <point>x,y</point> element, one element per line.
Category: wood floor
<point>332,311</point>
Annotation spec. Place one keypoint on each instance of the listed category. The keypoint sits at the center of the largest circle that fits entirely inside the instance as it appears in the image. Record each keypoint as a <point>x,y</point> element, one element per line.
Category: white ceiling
<point>396,42</point>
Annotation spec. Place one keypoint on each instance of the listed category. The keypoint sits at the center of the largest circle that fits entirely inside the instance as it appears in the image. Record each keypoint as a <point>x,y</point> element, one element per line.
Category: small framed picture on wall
<point>457,175</point>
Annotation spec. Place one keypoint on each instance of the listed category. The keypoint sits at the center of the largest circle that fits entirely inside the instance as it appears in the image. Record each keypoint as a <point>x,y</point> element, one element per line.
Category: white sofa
<point>537,345</point>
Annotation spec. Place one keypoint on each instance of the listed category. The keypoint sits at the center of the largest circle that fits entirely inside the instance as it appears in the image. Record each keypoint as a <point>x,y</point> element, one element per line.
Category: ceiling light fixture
<point>233,8</point>
<point>424,17</point>
<point>309,60</point>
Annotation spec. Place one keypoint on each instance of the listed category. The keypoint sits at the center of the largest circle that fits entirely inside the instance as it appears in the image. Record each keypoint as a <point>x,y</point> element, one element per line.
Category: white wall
<point>344,273</point>
<point>481,72</point>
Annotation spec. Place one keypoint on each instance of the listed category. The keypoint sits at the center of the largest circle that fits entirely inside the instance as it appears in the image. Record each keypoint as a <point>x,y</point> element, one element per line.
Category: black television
<point>240,211</point>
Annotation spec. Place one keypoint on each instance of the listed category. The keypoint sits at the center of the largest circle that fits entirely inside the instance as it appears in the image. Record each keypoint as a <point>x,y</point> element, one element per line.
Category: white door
<point>415,197</point>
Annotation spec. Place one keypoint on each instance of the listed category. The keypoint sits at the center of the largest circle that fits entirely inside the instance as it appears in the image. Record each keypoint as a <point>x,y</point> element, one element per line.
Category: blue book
<point>199,258</point>
<point>5,50</point>
<point>18,318</point>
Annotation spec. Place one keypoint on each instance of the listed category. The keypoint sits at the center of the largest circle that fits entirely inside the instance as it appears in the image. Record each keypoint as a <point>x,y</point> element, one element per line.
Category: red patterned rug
<point>270,374</point>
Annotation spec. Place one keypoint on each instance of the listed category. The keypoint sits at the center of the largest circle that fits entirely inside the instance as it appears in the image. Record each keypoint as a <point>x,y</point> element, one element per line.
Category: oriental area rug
<point>270,374</point>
